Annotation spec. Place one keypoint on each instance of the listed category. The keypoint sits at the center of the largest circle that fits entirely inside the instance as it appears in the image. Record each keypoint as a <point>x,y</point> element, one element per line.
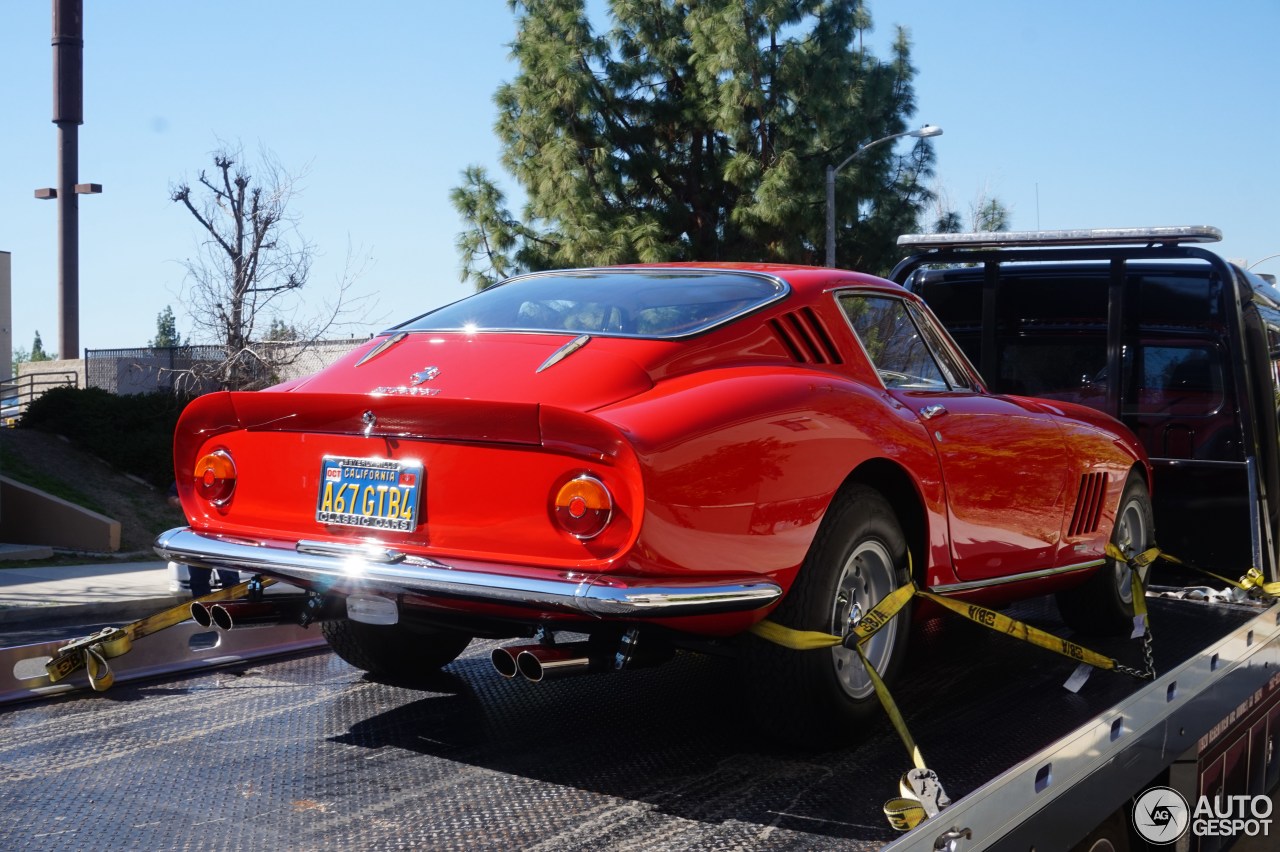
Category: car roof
<point>804,280</point>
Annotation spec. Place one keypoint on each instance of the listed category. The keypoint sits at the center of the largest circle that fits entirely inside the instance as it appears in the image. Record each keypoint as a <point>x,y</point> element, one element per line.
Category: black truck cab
<point>1143,324</point>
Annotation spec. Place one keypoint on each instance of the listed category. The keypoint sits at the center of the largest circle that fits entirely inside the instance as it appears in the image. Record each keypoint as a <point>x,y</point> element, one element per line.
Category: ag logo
<point>1161,815</point>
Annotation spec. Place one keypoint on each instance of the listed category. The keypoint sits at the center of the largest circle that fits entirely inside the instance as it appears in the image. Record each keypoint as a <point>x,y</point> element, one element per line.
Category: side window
<point>1181,380</point>
<point>1182,409</point>
<point>1273,344</point>
<point>1070,369</point>
<point>893,342</point>
<point>956,376</point>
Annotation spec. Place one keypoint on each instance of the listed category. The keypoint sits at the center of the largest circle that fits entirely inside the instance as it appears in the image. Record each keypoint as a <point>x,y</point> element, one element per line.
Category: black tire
<point>820,699</point>
<point>393,651</point>
<point>1103,604</point>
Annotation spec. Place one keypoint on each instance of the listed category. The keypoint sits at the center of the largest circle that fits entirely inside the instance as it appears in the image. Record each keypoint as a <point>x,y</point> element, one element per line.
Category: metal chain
<point>1136,564</point>
<point>1150,673</point>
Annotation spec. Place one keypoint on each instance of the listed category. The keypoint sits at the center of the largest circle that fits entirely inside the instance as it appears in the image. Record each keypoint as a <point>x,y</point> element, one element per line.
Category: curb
<point>25,552</point>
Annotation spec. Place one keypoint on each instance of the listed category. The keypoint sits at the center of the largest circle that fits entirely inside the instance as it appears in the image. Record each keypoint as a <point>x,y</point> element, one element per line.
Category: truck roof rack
<point>1084,236</point>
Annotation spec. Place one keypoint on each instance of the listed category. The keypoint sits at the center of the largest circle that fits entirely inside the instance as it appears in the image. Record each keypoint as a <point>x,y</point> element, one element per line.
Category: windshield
<point>617,302</point>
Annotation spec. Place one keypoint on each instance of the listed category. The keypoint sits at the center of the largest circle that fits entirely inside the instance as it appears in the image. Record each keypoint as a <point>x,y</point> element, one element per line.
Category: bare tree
<point>252,263</point>
<point>986,212</point>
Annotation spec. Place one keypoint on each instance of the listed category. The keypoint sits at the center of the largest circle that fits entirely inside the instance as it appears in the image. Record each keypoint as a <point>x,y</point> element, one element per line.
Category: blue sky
<point>1089,114</point>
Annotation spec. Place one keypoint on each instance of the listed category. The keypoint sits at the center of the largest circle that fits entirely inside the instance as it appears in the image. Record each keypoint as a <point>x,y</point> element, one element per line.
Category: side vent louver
<point>805,337</point>
<point>1093,494</point>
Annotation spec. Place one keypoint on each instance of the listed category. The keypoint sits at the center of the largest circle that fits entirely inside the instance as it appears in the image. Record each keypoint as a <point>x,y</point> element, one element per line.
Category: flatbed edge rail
<point>1117,751</point>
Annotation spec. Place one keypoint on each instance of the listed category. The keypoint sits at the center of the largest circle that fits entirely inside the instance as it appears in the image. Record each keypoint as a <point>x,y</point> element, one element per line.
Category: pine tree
<point>695,131</point>
<point>281,332</point>
<point>166,330</point>
<point>992,215</point>
<point>38,353</point>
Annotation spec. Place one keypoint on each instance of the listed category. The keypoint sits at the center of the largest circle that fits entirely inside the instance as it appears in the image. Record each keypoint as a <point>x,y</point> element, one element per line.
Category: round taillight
<point>216,477</point>
<point>583,507</point>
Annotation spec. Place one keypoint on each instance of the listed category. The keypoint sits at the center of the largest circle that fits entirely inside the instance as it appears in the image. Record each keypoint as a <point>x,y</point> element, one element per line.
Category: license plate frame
<point>375,494</point>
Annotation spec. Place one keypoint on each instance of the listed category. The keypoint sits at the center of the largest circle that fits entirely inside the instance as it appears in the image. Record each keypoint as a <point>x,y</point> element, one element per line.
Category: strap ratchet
<point>92,652</point>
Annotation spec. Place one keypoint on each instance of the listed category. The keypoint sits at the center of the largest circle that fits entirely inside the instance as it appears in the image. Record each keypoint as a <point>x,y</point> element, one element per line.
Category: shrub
<point>134,433</point>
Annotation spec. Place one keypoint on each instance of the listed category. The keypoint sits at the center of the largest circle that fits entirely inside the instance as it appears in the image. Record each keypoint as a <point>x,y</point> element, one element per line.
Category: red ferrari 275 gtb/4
<point>657,457</point>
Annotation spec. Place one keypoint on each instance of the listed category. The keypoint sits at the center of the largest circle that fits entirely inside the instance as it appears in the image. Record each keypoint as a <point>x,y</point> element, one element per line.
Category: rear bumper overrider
<point>348,568</point>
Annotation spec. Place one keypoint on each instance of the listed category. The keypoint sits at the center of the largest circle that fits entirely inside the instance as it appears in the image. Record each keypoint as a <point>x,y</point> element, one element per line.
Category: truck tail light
<point>583,507</point>
<point>215,476</point>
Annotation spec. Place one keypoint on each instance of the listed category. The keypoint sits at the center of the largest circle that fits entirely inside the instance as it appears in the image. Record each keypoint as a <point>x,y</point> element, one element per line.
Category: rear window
<point>1188,298</point>
<point>1174,378</point>
<point>612,302</point>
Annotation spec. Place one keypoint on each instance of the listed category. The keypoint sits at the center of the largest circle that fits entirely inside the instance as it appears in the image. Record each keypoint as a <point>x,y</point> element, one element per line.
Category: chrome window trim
<point>908,306</point>
<point>783,291</point>
<point>943,348</point>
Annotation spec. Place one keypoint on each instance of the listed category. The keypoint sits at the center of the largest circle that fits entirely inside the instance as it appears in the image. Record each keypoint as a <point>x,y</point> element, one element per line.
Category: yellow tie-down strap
<point>920,791</point>
<point>92,652</point>
<point>1002,623</point>
<point>1253,583</point>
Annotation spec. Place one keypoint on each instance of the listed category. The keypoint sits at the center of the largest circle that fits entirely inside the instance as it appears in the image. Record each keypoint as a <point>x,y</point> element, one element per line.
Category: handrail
<point>17,393</point>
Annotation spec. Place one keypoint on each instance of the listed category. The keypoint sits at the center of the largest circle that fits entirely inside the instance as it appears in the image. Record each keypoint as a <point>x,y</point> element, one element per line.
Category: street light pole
<point>922,133</point>
<point>68,115</point>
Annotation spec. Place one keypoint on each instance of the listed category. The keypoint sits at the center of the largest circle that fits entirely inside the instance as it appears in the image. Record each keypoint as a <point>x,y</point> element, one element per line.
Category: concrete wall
<point>33,517</point>
<point>51,373</point>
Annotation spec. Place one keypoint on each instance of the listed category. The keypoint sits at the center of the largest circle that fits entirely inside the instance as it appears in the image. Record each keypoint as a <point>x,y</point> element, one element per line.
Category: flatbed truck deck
<point>307,752</point>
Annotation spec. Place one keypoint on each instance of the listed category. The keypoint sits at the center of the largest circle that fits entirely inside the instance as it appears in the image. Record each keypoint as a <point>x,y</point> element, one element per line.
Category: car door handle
<point>931,411</point>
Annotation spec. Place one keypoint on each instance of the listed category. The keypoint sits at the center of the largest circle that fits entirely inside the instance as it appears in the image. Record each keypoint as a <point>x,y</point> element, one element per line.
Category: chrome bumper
<point>351,567</point>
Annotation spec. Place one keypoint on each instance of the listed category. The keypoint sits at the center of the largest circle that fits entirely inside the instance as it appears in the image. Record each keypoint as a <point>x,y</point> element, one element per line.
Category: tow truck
<point>308,752</point>
<point>1183,347</point>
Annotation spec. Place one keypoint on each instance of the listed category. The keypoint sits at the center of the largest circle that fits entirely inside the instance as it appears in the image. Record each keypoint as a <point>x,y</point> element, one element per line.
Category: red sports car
<point>658,457</point>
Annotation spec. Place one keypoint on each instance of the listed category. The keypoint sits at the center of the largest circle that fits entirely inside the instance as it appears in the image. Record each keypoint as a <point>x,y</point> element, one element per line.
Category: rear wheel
<point>396,650</point>
<point>819,698</point>
<point>1103,605</point>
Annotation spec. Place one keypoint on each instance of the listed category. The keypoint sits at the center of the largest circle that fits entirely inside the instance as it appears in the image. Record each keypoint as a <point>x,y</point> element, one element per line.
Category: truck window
<point>1050,341</point>
<point>1180,380</point>
<point>1273,342</point>
<point>1177,406</point>
<point>1069,369</point>
<point>1180,405</point>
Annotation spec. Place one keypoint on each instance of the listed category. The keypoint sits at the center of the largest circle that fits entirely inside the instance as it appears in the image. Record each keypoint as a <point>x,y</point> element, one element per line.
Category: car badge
<point>426,374</point>
<point>370,420</point>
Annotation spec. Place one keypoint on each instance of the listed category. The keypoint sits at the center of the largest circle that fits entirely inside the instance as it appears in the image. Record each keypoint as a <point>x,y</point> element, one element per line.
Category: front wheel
<point>818,699</point>
<point>1103,605</point>
<point>396,650</point>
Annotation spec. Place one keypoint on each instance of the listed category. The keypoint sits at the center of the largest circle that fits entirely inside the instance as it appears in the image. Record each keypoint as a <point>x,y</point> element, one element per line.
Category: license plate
<point>379,494</point>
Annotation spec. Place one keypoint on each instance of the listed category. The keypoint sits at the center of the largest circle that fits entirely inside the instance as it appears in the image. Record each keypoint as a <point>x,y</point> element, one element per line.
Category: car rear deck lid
<point>1083,236</point>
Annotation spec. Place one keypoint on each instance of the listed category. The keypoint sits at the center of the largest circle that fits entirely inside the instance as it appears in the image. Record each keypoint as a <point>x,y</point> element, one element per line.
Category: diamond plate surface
<point>309,753</point>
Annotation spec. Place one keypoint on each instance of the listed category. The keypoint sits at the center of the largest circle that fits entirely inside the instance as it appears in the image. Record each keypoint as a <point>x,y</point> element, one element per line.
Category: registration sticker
<point>380,494</point>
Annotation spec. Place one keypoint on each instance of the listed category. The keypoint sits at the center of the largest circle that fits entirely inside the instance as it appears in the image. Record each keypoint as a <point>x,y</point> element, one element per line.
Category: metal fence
<point>17,393</point>
<point>160,368</point>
